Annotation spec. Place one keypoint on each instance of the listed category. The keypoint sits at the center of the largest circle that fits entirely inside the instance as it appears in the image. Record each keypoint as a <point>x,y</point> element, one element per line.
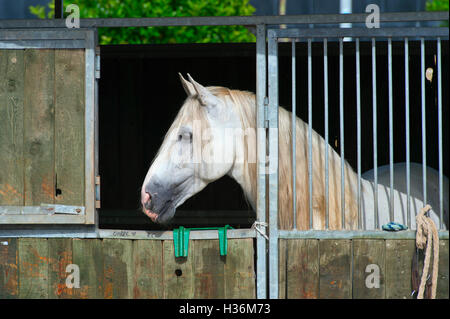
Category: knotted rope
<point>427,234</point>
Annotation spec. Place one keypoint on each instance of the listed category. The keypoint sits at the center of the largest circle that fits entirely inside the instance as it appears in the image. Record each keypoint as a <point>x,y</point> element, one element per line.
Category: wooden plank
<point>33,268</point>
<point>302,269</point>
<point>335,268</point>
<point>148,269</point>
<point>399,254</point>
<point>11,127</point>
<point>240,270</point>
<point>282,268</point>
<point>209,270</point>
<point>8,268</point>
<point>69,126</point>
<point>39,127</point>
<point>178,272</point>
<point>59,257</point>
<point>118,270</point>
<point>88,255</point>
<point>443,278</point>
<point>369,257</point>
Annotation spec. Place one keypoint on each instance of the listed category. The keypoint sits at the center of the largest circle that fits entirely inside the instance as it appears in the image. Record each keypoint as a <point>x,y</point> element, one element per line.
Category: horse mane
<point>244,104</point>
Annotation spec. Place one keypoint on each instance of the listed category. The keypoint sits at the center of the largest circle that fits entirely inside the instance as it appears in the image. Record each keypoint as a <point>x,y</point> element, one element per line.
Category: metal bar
<point>310,154</point>
<point>42,44</point>
<point>89,126</point>
<point>408,157</point>
<point>46,34</point>
<point>48,231</point>
<point>168,235</point>
<point>353,234</point>
<point>58,9</point>
<point>424,129</point>
<point>391,134</point>
<point>273,164</point>
<point>362,32</point>
<point>261,282</point>
<point>234,20</point>
<point>358,131</point>
<point>375,130</point>
<point>441,168</point>
<point>325,88</point>
<point>294,137</point>
<point>341,127</point>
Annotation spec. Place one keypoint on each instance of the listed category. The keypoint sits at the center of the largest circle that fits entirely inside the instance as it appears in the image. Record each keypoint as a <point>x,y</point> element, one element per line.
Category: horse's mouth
<point>155,217</point>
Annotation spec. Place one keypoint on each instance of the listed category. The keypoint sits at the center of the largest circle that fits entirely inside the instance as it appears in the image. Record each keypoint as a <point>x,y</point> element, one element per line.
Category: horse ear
<point>188,87</point>
<point>205,97</point>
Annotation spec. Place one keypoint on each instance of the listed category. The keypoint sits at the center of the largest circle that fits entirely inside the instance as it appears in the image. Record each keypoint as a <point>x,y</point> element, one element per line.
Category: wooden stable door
<point>43,144</point>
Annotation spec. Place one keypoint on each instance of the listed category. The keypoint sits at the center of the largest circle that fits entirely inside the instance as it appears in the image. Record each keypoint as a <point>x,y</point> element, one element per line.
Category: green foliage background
<point>161,8</point>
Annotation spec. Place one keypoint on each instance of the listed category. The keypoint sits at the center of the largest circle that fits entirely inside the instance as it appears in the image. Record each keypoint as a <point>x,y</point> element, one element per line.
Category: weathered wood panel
<point>33,268</point>
<point>239,269</point>
<point>209,270</point>
<point>88,255</point>
<point>301,269</point>
<point>59,257</point>
<point>39,121</point>
<point>148,269</point>
<point>443,278</point>
<point>11,127</point>
<point>69,125</point>
<point>178,272</point>
<point>399,254</point>
<point>118,270</point>
<point>8,268</point>
<point>335,268</point>
<point>369,260</point>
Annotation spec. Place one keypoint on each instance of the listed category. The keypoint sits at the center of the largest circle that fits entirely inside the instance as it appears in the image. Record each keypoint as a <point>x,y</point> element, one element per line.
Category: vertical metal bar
<point>424,128</point>
<point>273,163</point>
<point>341,127</point>
<point>325,87</point>
<point>58,9</point>
<point>261,273</point>
<point>310,180</point>
<point>358,130</point>
<point>375,130</point>
<point>294,137</point>
<point>441,169</point>
<point>408,165</point>
<point>391,135</point>
<point>89,127</point>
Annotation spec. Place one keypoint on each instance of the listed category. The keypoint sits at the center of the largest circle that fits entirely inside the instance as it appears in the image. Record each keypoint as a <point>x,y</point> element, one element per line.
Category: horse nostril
<point>149,196</point>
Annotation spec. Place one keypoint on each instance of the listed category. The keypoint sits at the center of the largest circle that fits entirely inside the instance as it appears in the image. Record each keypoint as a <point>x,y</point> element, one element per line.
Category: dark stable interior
<point>140,95</point>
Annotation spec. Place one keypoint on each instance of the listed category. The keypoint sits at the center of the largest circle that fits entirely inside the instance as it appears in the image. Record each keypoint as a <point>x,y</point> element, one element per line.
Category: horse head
<point>198,149</point>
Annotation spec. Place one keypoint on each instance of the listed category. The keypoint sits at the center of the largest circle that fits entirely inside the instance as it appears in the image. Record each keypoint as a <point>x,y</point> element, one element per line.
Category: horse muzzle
<point>156,201</point>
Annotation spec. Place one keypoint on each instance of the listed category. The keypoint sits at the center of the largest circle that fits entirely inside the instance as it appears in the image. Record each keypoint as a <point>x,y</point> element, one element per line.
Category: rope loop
<point>427,238</point>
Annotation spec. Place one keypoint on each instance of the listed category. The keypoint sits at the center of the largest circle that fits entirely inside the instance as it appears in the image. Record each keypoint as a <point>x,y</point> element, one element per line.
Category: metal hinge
<point>97,65</point>
<point>266,112</point>
<point>62,209</point>
<point>97,191</point>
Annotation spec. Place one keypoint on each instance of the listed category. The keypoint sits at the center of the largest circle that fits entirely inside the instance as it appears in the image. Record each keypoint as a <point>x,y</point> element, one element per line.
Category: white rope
<point>256,226</point>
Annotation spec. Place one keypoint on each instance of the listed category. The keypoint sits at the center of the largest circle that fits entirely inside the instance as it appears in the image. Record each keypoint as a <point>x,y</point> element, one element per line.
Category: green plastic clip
<point>181,239</point>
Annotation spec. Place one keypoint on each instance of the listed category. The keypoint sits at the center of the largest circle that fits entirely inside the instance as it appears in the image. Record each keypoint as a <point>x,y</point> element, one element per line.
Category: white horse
<point>214,134</point>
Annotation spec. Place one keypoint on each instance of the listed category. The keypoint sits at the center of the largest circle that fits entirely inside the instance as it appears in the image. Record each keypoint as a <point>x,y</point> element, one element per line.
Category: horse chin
<point>165,215</point>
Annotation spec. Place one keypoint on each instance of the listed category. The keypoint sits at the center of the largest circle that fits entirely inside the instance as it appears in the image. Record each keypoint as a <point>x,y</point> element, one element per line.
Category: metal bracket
<point>97,191</point>
<point>97,64</point>
<point>266,112</point>
<point>181,239</point>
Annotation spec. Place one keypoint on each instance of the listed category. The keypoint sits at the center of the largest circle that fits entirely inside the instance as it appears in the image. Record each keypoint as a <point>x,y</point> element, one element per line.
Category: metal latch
<point>181,239</point>
<point>62,209</point>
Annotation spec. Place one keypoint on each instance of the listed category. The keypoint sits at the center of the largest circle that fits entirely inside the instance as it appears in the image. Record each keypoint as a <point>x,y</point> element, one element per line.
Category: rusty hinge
<point>97,191</point>
<point>266,111</point>
<point>97,64</point>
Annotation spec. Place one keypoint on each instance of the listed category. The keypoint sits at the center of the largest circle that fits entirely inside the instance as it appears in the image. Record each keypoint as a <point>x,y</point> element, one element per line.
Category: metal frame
<point>61,39</point>
<point>276,35</point>
<point>217,21</point>
<point>266,115</point>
